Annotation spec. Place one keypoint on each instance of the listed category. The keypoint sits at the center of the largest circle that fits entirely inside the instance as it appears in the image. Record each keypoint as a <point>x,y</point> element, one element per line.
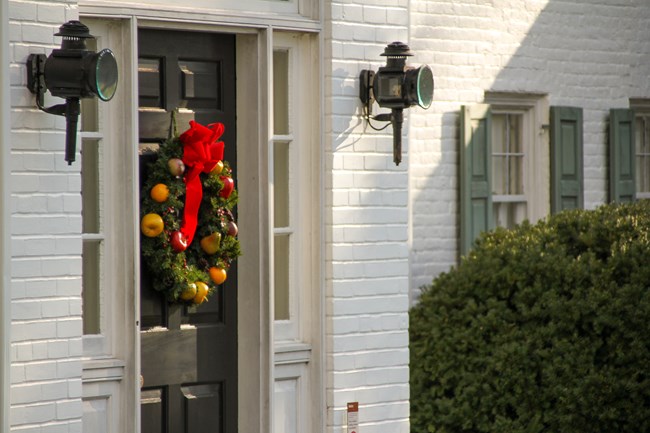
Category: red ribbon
<point>201,152</point>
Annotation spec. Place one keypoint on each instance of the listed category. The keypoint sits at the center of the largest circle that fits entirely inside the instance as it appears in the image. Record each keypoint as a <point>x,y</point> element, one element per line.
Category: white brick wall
<point>46,247</point>
<point>589,54</point>
<point>367,226</point>
<point>389,229</point>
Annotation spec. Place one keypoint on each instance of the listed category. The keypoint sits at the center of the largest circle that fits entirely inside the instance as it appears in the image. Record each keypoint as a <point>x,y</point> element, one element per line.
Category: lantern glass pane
<point>106,74</point>
<point>425,87</point>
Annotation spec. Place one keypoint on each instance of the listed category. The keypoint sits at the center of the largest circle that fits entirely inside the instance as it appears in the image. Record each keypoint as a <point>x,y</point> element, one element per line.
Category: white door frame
<point>5,216</point>
<point>255,339</point>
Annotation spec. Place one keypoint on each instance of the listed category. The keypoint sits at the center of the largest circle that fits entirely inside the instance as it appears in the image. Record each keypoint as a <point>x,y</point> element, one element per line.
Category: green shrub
<point>543,328</point>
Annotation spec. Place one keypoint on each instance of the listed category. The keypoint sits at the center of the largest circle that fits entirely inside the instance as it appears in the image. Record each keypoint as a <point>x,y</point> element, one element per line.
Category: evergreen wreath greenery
<point>173,272</point>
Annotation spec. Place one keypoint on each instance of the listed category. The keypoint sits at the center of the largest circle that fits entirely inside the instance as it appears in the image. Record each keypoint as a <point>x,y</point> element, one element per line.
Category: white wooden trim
<point>257,7</point>
<point>171,14</point>
<point>254,304</point>
<point>5,217</point>
<point>505,198</point>
<point>110,367</point>
<point>130,38</point>
<point>320,275</point>
<point>299,341</point>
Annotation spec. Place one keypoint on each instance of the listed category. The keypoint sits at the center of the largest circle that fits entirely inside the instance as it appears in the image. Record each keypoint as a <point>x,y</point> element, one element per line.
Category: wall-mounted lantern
<point>395,86</point>
<point>72,72</point>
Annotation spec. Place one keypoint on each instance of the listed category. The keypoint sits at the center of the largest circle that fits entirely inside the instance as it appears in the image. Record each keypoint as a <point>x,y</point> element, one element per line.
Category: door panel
<point>188,354</point>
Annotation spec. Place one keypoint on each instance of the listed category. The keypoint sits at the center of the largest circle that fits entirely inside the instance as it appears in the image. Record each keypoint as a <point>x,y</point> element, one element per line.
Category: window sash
<point>533,111</point>
<point>643,156</point>
<point>92,224</point>
<point>509,154</point>
<point>285,185</point>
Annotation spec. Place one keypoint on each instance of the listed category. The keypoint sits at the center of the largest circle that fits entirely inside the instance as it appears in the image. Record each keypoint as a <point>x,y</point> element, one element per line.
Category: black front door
<point>188,354</point>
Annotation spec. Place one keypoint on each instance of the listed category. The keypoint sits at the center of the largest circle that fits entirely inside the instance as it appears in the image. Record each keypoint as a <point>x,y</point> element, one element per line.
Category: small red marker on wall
<point>353,417</point>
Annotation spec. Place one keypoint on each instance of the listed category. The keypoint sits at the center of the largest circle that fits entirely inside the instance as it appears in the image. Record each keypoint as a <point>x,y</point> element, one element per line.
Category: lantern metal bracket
<point>36,83</point>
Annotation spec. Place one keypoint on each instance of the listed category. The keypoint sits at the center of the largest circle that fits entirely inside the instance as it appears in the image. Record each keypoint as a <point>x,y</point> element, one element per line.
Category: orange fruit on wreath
<point>218,275</point>
<point>201,292</point>
<point>160,193</point>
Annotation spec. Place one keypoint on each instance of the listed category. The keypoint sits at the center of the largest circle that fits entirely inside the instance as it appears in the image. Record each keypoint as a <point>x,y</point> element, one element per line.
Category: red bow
<point>201,152</point>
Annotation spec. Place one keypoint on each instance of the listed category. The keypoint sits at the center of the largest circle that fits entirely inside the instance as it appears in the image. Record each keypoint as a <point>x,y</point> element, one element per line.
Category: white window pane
<point>509,214</point>
<point>90,287</point>
<point>280,92</point>
<point>91,253</point>
<point>281,192</point>
<point>90,185</point>
<point>281,282</point>
<point>498,133</point>
<point>516,174</point>
<point>507,154</point>
<point>642,139</point>
<point>515,144</point>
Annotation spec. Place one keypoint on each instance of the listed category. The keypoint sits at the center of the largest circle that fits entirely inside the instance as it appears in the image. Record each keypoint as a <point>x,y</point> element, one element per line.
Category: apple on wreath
<point>228,186</point>
<point>176,167</point>
<point>232,229</point>
<point>178,241</point>
<point>152,225</point>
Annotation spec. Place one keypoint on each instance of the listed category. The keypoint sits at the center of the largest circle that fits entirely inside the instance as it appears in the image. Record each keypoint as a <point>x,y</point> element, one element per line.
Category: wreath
<point>189,233</point>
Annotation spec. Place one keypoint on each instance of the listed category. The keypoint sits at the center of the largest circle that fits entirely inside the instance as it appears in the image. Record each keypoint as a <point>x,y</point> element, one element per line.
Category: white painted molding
<point>5,215</point>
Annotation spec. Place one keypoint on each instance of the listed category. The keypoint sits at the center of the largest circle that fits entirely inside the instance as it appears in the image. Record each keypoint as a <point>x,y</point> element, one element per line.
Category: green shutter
<point>475,174</point>
<point>566,159</point>
<point>621,155</point>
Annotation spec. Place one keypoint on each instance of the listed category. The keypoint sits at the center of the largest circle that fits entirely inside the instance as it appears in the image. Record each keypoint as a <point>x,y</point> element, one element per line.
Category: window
<point>519,159</point>
<point>509,173</point>
<point>642,154</point>
<point>91,161</point>
<point>92,234</point>
<point>108,211</point>
<point>640,134</point>
<point>293,181</point>
<point>284,216</point>
<point>629,152</point>
<point>509,198</point>
<point>294,203</point>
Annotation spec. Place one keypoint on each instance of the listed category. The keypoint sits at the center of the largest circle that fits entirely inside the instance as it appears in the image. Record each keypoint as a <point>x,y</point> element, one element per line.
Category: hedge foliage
<point>542,328</point>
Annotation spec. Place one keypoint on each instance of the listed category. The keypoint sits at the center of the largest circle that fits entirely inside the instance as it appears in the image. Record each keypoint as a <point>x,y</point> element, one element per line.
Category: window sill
<point>102,370</point>
<point>297,353</point>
